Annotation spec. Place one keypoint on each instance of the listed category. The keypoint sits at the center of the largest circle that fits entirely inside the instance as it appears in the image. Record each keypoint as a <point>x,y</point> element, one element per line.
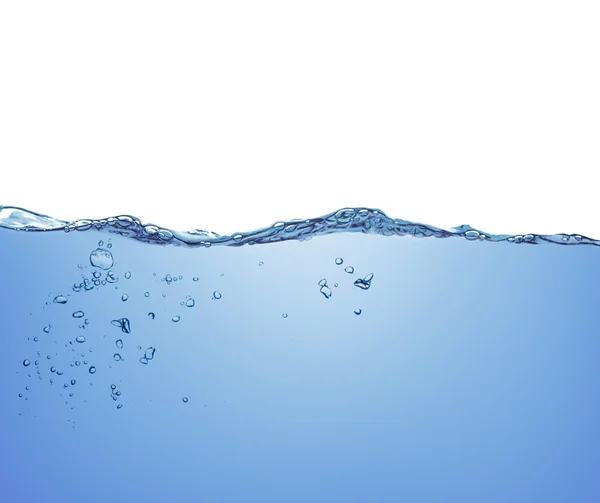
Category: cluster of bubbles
<point>102,260</point>
<point>362,283</point>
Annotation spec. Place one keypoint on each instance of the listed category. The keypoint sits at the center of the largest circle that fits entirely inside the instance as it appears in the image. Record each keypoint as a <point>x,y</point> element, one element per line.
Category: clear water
<point>361,365</point>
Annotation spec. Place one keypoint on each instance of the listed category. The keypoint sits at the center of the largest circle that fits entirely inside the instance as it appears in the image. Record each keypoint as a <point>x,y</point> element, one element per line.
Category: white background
<point>228,116</point>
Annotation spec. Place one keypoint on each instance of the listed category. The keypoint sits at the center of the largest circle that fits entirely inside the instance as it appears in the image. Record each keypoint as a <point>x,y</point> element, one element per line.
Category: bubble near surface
<point>102,259</point>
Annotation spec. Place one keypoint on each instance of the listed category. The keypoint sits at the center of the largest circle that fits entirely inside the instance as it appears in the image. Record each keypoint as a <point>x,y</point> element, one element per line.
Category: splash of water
<point>364,220</point>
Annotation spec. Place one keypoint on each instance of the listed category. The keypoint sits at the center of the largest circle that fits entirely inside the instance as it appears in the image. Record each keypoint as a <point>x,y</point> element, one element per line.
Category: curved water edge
<point>364,220</point>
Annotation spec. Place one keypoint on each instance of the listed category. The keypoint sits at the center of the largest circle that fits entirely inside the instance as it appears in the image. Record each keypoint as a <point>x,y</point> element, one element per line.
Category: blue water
<point>361,365</point>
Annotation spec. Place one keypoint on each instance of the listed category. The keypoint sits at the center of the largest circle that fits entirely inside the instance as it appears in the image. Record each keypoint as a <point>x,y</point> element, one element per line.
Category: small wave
<point>364,220</point>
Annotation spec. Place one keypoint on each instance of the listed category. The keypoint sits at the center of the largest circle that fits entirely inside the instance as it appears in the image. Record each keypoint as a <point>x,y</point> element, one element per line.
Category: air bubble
<point>117,357</point>
<point>119,343</point>
<point>190,303</point>
<point>349,269</point>
<point>92,370</point>
<point>184,399</point>
<point>364,283</point>
<point>326,291</point>
<point>102,259</point>
<point>123,323</point>
<point>120,406</point>
<point>47,328</point>
<point>73,381</point>
<point>339,261</point>
<point>216,295</point>
<point>127,275</point>
<point>147,294</point>
<point>195,278</point>
<point>261,263</point>
<point>284,315</point>
<point>471,235</point>
<point>60,299</point>
<point>124,297</point>
<point>175,319</point>
<point>52,369</point>
<point>26,363</point>
<point>357,311</point>
<point>113,387</point>
<point>80,339</point>
<point>78,314</point>
<point>152,315</point>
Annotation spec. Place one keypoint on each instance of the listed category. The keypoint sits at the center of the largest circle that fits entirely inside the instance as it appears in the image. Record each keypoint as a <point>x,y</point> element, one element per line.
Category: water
<point>450,368</point>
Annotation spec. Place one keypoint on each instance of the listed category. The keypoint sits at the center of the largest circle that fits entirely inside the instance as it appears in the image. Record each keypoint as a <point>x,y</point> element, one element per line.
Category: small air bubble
<point>120,406</point>
<point>152,315</point>
<point>78,314</point>
<point>60,299</point>
<point>261,263</point>
<point>471,235</point>
<point>26,363</point>
<point>195,278</point>
<point>47,328</point>
<point>364,283</point>
<point>147,294</point>
<point>113,386</point>
<point>73,381</point>
<point>357,311</point>
<point>92,370</point>
<point>175,319</point>
<point>124,297</point>
<point>339,261</point>
<point>80,339</point>
<point>216,295</point>
<point>349,269</point>
<point>117,357</point>
<point>127,275</point>
<point>119,343</point>
<point>284,315</point>
<point>326,291</point>
<point>190,303</point>
<point>184,399</point>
